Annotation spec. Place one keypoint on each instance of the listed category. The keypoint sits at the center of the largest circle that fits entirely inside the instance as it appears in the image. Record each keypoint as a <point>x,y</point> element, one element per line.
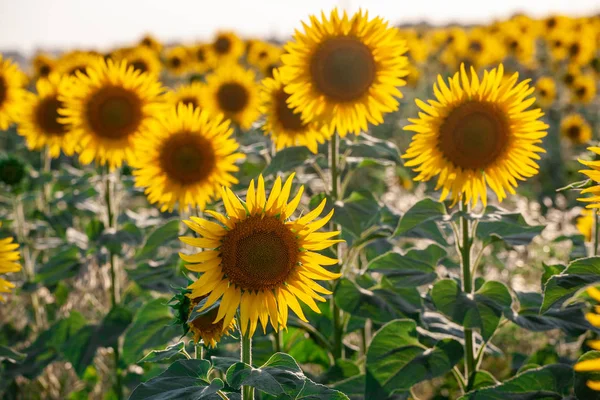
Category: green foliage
<point>577,276</point>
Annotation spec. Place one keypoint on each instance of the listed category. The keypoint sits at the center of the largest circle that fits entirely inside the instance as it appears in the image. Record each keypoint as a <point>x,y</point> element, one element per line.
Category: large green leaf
<point>288,159</point>
<point>151,328</point>
<point>160,236</point>
<point>396,360</point>
<point>370,147</point>
<point>80,350</point>
<point>511,228</point>
<point>549,382</point>
<point>61,266</point>
<point>570,319</point>
<point>183,380</point>
<point>421,221</point>
<point>481,311</point>
<point>415,268</point>
<point>6,353</point>
<point>380,304</point>
<point>357,213</point>
<point>580,380</point>
<point>161,356</point>
<point>577,276</point>
<point>282,377</point>
<point>160,276</point>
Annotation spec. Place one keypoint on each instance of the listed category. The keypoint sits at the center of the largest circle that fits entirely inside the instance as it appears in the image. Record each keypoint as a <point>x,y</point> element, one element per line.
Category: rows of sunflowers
<point>363,212</point>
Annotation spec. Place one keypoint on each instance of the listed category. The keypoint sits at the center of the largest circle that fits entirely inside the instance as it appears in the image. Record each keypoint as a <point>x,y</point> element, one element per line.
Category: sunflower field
<point>359,211</point>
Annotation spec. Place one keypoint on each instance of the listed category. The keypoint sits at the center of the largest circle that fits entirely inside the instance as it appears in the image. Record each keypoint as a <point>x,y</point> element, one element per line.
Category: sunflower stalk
<point>467,281</point>
<point>338,347</point>
<point>246,357</point>
<point>114,288</point>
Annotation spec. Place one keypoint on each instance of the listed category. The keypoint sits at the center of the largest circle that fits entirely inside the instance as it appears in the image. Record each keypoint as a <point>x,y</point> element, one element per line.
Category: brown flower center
<point>175,62</point>
<point>569,78</point>
<point>573,132</point>
<point>189,100</point>
<point>581,92</point>
<point>46,117</point>
<point>139,65</point>
<point>201,55</point>
<point>79,68</point>
<point>259,253</point>
<point>3,90</point>
<point>232,97</point>
<point>343,68</point>
<point>474,135</point>
<point>286,116</point>
<point>222,45</point>
<point>187,158</point>
<point>574,49</point>
<point>475,46</point>
<point>114,112</point>
<point>44,70</point>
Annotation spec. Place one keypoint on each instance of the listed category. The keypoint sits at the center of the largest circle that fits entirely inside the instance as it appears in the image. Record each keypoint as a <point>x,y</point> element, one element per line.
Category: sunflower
<point>590,365</point>
<point>345,72</point>
<point>478,132</point>
<point>285,126</point>
<point>43,65</point>
<point>570,75</point>
<point>12,94</point>
<point>177,61</point>
<point>202,58</point>
<point>39,121</point>
<point>108,108</point>
<point>576,129</point>
<point>186,159</point>
<point>584,89</point>
<point>189,94</point>
<point>259,259</point>
<point>545,89</point>
<point>227,46</point>
<point>581,48</point>
<point>204,328</point>
<point>75,61</point>
<point>151,43</point>
<point>232,90</point>
<point>263,54</point>
<point>9,262</point>
<point>594,175</point>
<point>141,58</point>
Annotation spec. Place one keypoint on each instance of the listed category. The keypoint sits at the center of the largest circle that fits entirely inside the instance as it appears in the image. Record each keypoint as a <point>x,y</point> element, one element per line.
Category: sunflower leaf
<point>421,221</point>
<point>415,268</point>
<point>288,159</point>
<point>511,228</point>
<point>160,236</point>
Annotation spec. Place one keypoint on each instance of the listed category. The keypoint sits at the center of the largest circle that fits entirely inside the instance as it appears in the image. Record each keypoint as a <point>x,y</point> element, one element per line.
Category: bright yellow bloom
<point>152,43</point>
<point>190,94</point>
<point>232,90</point>
<point>263,54</point>
<point>583,89</point>
<point>545,90</point>
<point>43,65</point>
<point>75,61</point>
<point>39,121</point>
<point>258,259</point>
<point>177,61</point>
<point>9,262</point>
<point>186,158</point>
<point>593,174</point>
<point>345,72</point>
<point>202,58</point>
<point>227,46</point>
<point>108,108</point>
<point>576,129</point>
<point>585,226</point>
<point>283,124</point>
<point>141,58</point>
<point>477,133</point>
<point>12,94</point>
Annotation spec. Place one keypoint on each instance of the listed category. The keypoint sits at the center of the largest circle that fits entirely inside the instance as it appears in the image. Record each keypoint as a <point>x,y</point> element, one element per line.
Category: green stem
<point>596,218</point>
<point>338,331</point>
<point>199,351</point>
<point>278,341</point>
<point>467,281</point>
<point>114,287</point>
<point>246,350</point>
<point>46,165</point>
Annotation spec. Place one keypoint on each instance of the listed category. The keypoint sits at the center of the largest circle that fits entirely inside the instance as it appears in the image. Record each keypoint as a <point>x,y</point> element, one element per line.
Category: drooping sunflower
<point>258,259</point>
<point>75,61</point>
<point>39,121</point>
<point>232,90</point>
<point>177,61</point>
<point>345,72</point>
<point>227,46</point>
<point>12,94</point>
<point>594,175</point>
<point>141,58</point>
<point>107,108</point>
<point>203,327</point>
<point>545,90</point>
<point>43,64</point>
<point>202,58</point>
<point>9,262</point>
<point>576,129</point>
<point>285,126</point>
<point>186,159</point>
<point>189,94</point>
<point>477,133</point>
<point>584,89</point>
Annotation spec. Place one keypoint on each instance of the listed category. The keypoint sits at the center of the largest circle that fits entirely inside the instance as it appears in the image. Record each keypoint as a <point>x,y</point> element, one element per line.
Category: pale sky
<point>65,24</point>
